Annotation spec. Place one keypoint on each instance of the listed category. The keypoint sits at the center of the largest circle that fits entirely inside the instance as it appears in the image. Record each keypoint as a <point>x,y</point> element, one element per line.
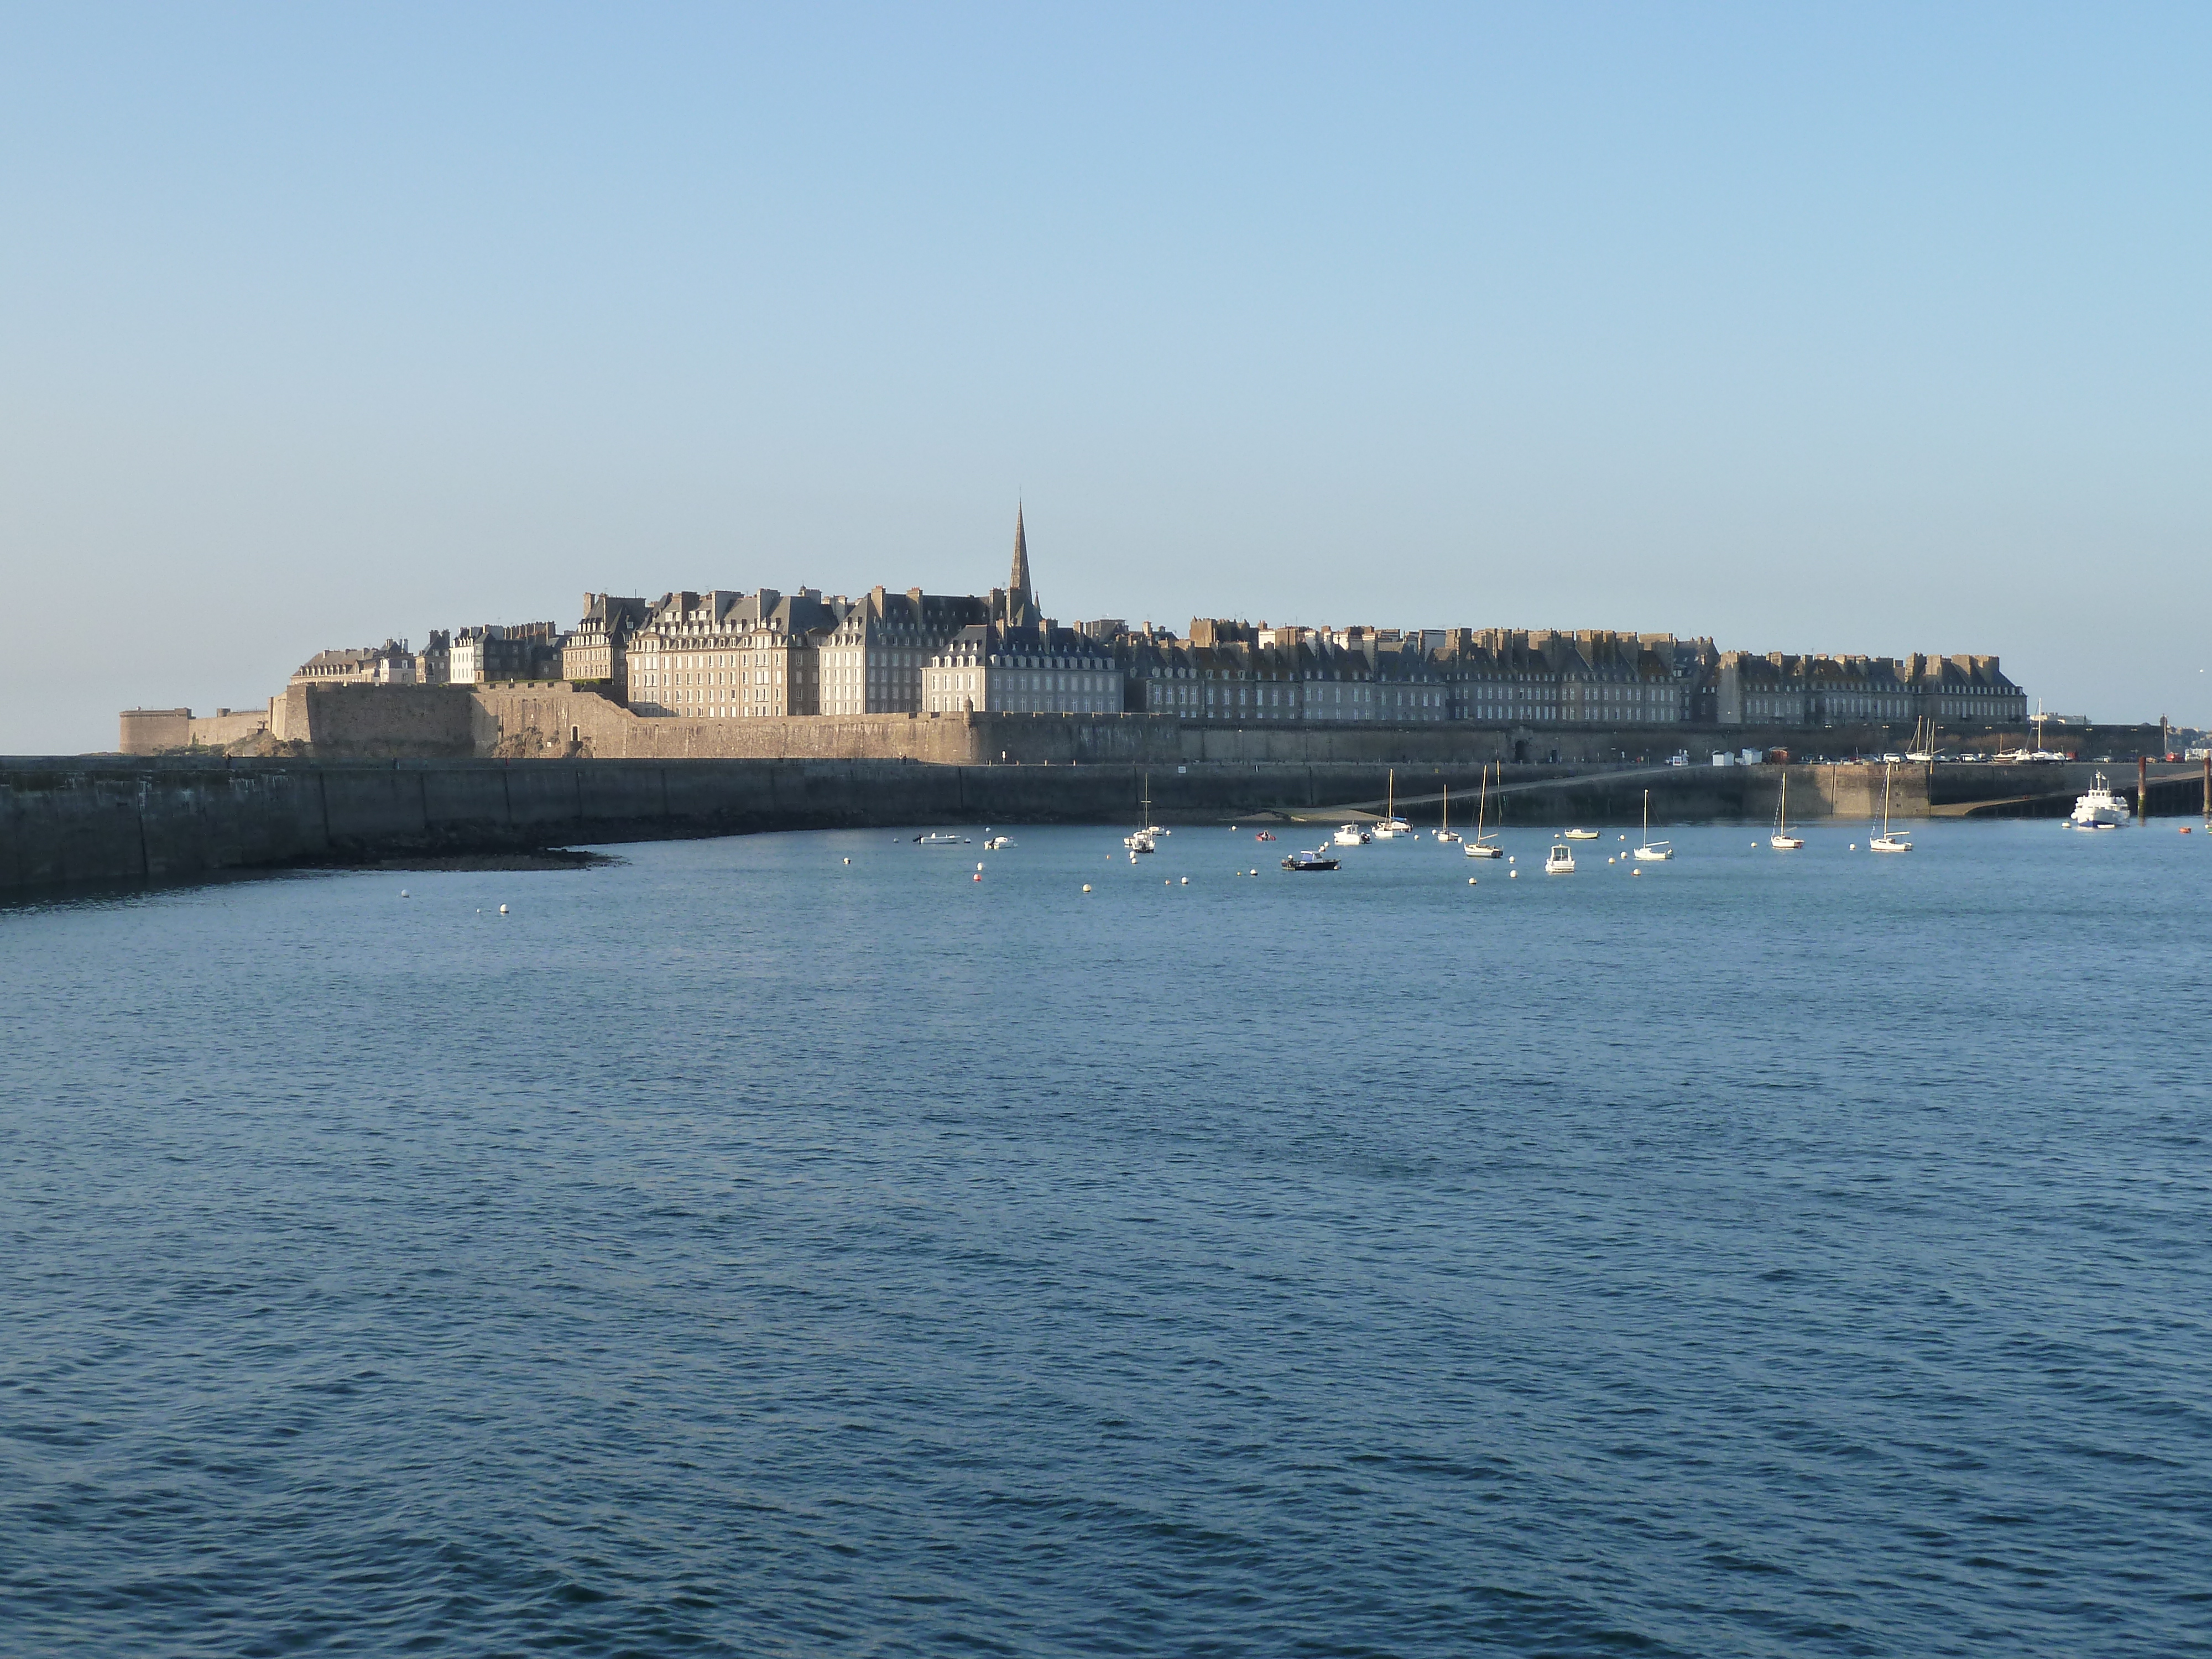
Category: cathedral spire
<point>1021,599</point>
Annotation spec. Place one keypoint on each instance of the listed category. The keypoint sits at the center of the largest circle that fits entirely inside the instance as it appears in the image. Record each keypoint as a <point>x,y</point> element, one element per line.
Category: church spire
<point>1021,599</point>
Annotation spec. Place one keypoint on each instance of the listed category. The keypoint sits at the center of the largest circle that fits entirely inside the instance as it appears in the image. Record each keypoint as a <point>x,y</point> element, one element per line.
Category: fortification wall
<point>150,731</point>
<point>542,720</point>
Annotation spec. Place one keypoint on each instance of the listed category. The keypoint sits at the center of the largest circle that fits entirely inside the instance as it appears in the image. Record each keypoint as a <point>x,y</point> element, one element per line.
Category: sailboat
<point>1886,842</point>
<point>1392,826</point>
<point>1483,846</point>
<point>1652,851</point>
<point>1781,838</point>
<point>1446,833</point>
<point>1142,842</point>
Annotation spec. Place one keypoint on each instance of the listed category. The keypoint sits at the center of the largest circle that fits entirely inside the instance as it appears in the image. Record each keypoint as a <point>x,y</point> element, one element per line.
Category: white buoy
<point>1087,886</point>
<point>1512,875</point>
<point>502,909</point>
<point>1470,881</point>
<point>1634,872</point>
<point>848,860</point>
<point>1854,846</point>
<point>979,866</point>
<point>1186,881</point>
<point>403,892</point>
<point>1255,872</point>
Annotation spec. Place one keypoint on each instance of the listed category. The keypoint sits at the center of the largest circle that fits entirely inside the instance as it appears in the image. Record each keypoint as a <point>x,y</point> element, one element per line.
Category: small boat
<point>1350,835</point>
<point>935,838</point>
<point>1581,835</point>
<point>1483,846</point>
<point>1318,858</point>
<point>1560,860</point>
<point>1265,835</point>
<point>1447,833</point>
<point>1143,841</point>
<point>2100,808</point>
<point>1781,838</point>
<point>1392,827</point>
<point>1886,842</point>
<point>1652,852</point>
<point>998,843</point>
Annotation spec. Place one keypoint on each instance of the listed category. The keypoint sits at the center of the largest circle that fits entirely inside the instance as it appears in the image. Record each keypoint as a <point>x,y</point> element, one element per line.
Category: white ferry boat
<point>2100,808</point>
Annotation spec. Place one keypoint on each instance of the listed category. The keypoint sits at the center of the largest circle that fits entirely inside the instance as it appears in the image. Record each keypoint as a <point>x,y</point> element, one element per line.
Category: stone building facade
<point>389,663</point>
<point>722,655</point>
<point>1028,669</point>
<point>875,659</point>
<point>596,651</point>
<point>519,651</point>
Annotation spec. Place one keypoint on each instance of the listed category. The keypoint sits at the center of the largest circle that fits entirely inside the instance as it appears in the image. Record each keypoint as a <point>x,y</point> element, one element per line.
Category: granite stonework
<point>544,719</point>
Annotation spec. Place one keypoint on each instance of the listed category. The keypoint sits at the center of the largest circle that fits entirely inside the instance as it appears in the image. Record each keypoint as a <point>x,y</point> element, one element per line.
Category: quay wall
<point>74,820</point>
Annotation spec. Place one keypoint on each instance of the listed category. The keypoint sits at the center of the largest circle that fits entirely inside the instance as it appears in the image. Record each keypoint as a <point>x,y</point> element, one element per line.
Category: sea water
<point>792,1244</point>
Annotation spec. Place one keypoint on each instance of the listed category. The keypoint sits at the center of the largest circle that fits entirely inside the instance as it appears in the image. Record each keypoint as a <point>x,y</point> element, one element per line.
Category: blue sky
<point>1807,328</point>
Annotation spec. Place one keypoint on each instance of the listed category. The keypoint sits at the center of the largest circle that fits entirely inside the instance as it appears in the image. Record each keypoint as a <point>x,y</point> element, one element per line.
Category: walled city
<point>973,679</point>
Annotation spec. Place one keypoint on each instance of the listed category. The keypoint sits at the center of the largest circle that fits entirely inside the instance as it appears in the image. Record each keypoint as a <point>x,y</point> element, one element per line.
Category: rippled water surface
<point>744,1251</point>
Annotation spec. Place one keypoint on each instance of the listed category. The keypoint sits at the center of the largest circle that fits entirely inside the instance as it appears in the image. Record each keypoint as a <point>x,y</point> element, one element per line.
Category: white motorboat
<point>1781,838</point>
<point>998,843</point>
<point>1560,860</point>
<point>1318,858</point>
<point>1483,846</point>
<point>936,838</point>
<point>2100,808</point>
<point>1446,833</point>
<point>1350,835</point>
<point>1652,852</point>
<point>1886,842</point>
<point>1581,835</point>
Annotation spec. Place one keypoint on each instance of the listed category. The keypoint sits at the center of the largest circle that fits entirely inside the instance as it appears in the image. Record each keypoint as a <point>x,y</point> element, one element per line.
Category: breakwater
<point>97,819</point>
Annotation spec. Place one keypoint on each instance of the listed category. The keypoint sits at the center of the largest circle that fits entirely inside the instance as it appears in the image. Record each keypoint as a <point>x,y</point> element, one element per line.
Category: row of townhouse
<point>1228,670</point>
<point>1814,691</point>
<point>464,656</point>
<point>725,654</point>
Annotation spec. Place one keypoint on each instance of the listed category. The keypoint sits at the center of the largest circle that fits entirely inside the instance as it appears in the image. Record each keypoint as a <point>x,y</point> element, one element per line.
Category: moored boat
<point>1560,860</point>
<point>1484,846</point>
<point>1781,838</point>
<point>2100,808</point>
<point>1886,842</point>
<point>1317,859</point>
<point>1652,852</point>
<point>1392,827</point>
